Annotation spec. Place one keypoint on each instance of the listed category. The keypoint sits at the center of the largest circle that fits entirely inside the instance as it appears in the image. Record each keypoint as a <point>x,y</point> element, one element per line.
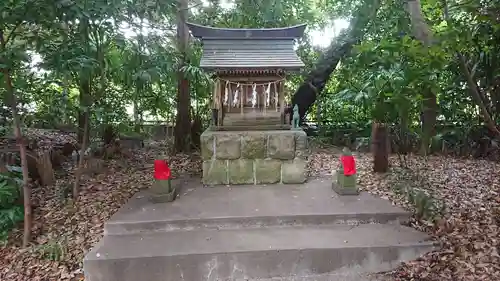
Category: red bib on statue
<point>349,165</point>
<point>162,171</point>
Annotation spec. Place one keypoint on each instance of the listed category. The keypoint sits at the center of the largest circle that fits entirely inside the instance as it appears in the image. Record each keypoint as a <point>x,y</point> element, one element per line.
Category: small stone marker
<point>344,179</point>
<point>164,191</point>
<point>296,118</point>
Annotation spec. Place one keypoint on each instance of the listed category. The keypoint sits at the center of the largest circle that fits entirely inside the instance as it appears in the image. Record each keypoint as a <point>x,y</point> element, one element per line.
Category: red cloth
<point>349,165</point>
<point>162,171</point>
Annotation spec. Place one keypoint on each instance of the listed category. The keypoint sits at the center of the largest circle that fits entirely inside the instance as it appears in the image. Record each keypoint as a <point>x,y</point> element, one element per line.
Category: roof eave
<point>212,68</point>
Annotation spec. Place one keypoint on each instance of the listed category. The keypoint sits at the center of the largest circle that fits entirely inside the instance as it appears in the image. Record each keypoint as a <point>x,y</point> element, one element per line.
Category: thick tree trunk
<point>11,97</point>
<point>380,147</point>
<point>315,82</point>
<point>183,119</point>
<point>423,33</point>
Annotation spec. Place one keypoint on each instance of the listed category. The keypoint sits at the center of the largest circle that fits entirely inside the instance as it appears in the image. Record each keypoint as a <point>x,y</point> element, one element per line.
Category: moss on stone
<point>241,171</point>
<point>228,145</point>
<point>215,172</point>
<point>253,146</point>
<point>267,171</point>
<point>282,145</point>
<point>293,171</point>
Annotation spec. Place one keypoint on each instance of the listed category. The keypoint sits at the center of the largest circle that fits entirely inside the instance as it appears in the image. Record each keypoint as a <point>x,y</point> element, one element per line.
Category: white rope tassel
<point>226,96</point>
<point>254,95</point>
<point>252,83</point>
<point>236,96</point>
<point>268,94</point>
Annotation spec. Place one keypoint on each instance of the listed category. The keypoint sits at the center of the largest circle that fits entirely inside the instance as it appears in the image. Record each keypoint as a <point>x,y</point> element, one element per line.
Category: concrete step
<point>221,207</point>
<point>252,253</point>
<point>148,226</point>
<point>352,274</point>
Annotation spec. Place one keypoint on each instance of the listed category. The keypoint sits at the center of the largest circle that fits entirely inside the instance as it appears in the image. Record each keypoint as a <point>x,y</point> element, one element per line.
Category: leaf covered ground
<point>468,229</point>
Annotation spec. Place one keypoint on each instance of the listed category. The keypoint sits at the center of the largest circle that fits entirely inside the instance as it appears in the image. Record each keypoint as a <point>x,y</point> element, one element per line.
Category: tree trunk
<point>137,122</point>
<point>11,97</point>
<point>183,118</point>
<point>315,82</point>
<point>380,147</point>
<point>422,32</point>
<point>81,161</point>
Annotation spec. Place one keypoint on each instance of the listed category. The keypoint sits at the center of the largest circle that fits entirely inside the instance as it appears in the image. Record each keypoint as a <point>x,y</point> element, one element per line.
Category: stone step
<point>270,123</point>
<point>233,254</point>
<point>222,207</point>
<point>251,127</point>
<point>254,118</point>
<point>138,227</point>
<point>236,121</point>
<point>352,274</point>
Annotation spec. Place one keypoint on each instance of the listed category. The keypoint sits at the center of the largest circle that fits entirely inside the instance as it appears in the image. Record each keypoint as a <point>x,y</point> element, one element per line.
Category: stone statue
<point>344,180</point>
<point>296,118</point>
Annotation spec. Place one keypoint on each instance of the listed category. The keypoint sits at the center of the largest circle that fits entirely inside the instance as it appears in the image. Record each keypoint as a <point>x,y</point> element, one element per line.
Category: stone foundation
<point>254,157</point>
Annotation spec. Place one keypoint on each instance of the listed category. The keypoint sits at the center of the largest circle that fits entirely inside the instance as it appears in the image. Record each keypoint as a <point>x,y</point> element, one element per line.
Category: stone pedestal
<point>163,191</point>
<point>344,185</point>
<point>254,157</point>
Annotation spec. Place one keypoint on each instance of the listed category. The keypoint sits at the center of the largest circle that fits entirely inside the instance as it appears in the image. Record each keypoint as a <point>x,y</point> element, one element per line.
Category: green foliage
<point>9,191</point>
<point>8,219</point>
<point>10,212</point>
<point>121,60</point>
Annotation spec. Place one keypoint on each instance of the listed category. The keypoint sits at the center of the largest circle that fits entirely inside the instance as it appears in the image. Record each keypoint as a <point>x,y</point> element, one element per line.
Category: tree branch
<point>476,94</point>
<point>11,35</point>
<point>315,82</point>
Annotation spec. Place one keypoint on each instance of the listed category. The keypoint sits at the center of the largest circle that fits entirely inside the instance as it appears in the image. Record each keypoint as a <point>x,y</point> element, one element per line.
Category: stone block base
<point>163,192</point>
<point>254,157</point>
<point>345,185</point>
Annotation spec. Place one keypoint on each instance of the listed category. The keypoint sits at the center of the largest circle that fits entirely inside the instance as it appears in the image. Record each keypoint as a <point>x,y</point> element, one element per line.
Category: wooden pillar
<point>214,94</point>
<point>230,98</point>
<point>264,94</point>
<point>220,98</point>
<point>257,97</point>
<point>275,95</point>
<point>281,101</point>
<point>243,96</point>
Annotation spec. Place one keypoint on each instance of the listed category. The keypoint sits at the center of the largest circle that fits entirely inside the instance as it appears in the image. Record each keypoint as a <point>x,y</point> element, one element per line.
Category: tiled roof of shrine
<point>249,49</point>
